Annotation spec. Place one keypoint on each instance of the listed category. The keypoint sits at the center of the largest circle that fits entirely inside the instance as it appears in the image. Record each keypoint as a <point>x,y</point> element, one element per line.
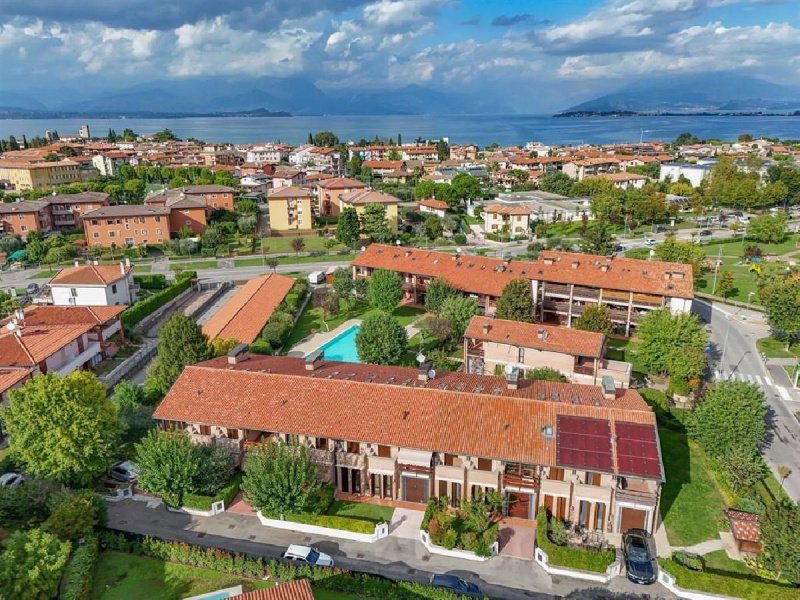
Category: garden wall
<point>381,530</point>
<point>544,561</point>
<point>668,581</point>
<point>425,538</point>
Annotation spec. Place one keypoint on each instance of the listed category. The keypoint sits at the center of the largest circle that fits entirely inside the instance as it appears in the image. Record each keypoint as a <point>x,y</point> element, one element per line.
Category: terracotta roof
<point>342,183</point>
<point>622,176</point>
<point>383,164</point>
<point>208,189</point>
<point>127,210</point>
<point>362,197</point>
<point>290,191</point>
<point>746,527</point>
<point>82,197</point>
<point>330,403</point>
<point>26,206</point>
<point>90,275</point>
<point>505,209</point>
<point>299,589</point>
<point>37,343</point>
<point>281,173</point>
<point>536,335</point>
<point>11,377</point>
<point>245,314</point>
<point>46,315</point>
<point>433,203</point>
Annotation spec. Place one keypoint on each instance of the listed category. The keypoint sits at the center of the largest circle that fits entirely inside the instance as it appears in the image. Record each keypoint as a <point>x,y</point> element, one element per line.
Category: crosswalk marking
<point>761,381</point>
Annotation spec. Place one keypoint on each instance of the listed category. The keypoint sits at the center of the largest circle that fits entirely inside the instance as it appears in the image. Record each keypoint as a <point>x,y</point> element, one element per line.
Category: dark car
<point>456,585</point>
<point>704,232</point>
<point>640,560</point>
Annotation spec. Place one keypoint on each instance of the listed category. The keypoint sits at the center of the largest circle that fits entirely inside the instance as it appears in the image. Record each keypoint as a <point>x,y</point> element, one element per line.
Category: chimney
<point>315,359</point>
<point>575,264</point>
<point>512,379</point>
<point>236,355</point>
<point>423,370</point>
<point>542,334</point>
<point>486,327</point>
<point>548,260</point>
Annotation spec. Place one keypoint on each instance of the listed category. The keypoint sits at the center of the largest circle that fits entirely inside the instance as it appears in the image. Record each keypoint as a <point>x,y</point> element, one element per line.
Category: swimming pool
<point>343,346</point>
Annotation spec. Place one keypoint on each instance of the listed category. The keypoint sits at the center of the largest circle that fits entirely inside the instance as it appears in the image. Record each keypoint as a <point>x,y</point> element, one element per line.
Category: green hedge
<point>573,558</point>
<point>134,314</point>
<point>227,494</point>
<point>79,576</point>
<point>334,522</point>
<point>151,282</point>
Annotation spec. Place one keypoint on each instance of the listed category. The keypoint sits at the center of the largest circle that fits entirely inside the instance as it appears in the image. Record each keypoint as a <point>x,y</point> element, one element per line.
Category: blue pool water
<point>343,346</point>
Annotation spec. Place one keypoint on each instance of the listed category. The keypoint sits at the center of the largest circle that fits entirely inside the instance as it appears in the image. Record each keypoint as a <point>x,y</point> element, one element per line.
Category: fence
<point>133,363</point>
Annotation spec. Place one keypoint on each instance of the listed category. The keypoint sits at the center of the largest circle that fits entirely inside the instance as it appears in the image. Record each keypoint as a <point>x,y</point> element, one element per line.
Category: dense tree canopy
<point>385,290</point>
<point>169,465</point>
<point>374,223</point>
<point>595,318</point>
<point>516,302</point>
<point>458,311</point>
<point>381,340</point>
<point>673,250</point>
<point>767,229</point>
<point>436,292</point>
<point>32,564</point>
<point>780,530</point>
<point>781,298</point>
<point>672,344</point>
<point>556,182</point>
<point>181,342</point>
<point>348,230</point>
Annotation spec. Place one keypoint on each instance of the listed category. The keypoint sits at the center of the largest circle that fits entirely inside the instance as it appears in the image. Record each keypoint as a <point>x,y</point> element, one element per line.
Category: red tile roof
<point>746,527</point>
<point>290,191</point>
<point>90,275</point>
<point>393,412</point>
<point>342,183</point>
<point>37,343</point>
<point>360,197</point>
<point>299,589</point>
<point>245,314</point>
<point>433,203</point>
<point>536,335</point>
<point>68,315</point>
<point>505,209</point>
<point>11,377</point>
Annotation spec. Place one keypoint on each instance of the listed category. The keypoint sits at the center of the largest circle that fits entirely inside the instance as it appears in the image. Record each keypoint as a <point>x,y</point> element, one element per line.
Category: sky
<point>533,55</point>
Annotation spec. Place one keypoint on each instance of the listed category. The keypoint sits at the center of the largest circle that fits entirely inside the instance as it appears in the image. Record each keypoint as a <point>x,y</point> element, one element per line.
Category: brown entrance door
<point>416,489</point>
<point>519,505</point>
<point>632,518</point>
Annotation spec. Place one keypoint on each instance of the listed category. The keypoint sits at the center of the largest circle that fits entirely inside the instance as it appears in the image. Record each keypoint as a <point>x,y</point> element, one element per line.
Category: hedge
<point>226,494</point>
<point>134,314</point>
<point>79,576</point>
<point>333,522</point>
<point>151,282</point>
<point>573,558</point>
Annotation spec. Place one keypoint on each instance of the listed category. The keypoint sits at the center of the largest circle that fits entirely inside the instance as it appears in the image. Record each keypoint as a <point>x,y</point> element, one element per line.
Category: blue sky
<point>533,55</point>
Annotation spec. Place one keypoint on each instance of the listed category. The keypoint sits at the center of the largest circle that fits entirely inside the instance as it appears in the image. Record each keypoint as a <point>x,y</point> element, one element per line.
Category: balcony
<point>562,307</point>
<point>647,300</point>
<point>92,349</point>
<point>556,289</point>
<point>584,368</point>
<point>618,315</point>
<point>520,481</point>
<point>347,459</point>
<point>450,473</point>
<point>381,464</point>
<point>585,293</point>
<point>482,478</point>
<point>636,495</point>
<point>321,457</point>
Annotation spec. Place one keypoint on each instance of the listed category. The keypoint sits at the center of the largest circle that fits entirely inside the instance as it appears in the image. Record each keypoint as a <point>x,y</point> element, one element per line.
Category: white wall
<point>695,174</point>
<point>680,305</point>
<point>93,295</point>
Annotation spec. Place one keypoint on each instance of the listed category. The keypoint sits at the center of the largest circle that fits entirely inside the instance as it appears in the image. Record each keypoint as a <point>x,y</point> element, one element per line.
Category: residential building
<point>67,209</point>
<point>330,191</point>
<point>494,344</point>
<point>368,153</point>
<point>94,285</point>
<point>105,320</point>
<point>434,207</point>
<point>695,173</point>
<point>625,181</point>
<point>290,209</point>
<point>359,198</point>
<point>268,154</point>
<point>132,225</point>
<point>287,178</point>
<point>464,152</point>
<point>36,174</point>
<point>589,167</point>
<point>109,163</point>
<point>383,167</point>
<point>507,219</point>
<point>429,152</point>
<point>212,197</point>
<point>244,315</point>
<point>562,283</point>
<point>11,378</point>
<point>586,453</point>
<point>24,216</point>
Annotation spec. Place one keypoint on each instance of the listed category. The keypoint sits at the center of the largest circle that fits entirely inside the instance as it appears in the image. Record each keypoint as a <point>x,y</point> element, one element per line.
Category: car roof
<point>299,550</point>
<point>446,579</point>
<point>9,476</point>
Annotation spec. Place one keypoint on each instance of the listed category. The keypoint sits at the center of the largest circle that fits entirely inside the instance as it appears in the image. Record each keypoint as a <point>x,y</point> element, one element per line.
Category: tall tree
<point>672,344</point>
<point>374,223</point>
<point>180,343</point>
<point>385,290</point>
<point>767,229</point>
<point>32,564</point>
<point>672,250</point>
<point>516,302</point>
<point>433,228</point>
<point>381,340</point>
<point>598,239</point>
<point>169,465</point>
<point>436,292</point>
<point>62,428</point>
<point>595,318</point>
<point>348,229</point>
<point>726,283</point>
<point>781,299</point>
<point>458,310</point>
<point>556,182</point>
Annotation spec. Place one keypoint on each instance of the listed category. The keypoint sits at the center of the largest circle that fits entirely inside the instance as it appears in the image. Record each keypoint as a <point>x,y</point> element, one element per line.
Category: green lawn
<point>194,265</point>
<point>141,268</point>
<point>48,273</point>
<point>122,576</point>
<point>362,510</point>
<point>313,243</point>
<point>624,350</point>
<point>772,348</point>
<point>293,260</point>
<point>691,504</point>
<point>328,595</point>
<point>735,248</point>
<point>744,281</point>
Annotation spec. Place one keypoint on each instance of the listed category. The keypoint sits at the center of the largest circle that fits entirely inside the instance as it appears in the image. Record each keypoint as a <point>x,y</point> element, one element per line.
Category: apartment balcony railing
<point>520,481</point>
<point>585,293</point>
<point>639,496</point>
<point>92,349</point>
<point>556,289</point>
<point>584,369</point>
<point>646,300</point>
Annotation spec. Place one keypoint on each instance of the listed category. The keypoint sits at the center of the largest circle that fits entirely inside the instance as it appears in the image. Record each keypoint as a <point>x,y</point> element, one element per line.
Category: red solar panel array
<point>637,450</point>
<point>584,443</point>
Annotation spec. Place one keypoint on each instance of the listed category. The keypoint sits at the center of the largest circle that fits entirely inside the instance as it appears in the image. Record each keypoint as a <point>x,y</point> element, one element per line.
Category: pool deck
<point>318,340</point>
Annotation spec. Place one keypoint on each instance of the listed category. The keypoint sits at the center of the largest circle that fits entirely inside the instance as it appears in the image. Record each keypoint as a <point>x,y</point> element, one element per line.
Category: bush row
<point>573,558</point>
<point>226,494</point>
<point>134,314</point>
<point>79,576</point>
<point>334,522</point>
<point>151,282</point>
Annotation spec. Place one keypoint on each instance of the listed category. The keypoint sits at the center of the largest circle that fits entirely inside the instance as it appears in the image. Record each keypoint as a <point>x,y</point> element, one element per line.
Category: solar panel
<point>637,450</point>
<point>584,443</point>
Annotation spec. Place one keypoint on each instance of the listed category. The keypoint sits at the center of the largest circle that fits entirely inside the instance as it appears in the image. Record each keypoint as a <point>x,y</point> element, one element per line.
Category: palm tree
<point>784,472</point>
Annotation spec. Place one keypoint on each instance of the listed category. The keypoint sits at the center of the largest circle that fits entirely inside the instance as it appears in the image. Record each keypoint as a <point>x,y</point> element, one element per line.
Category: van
<point>316,277</point>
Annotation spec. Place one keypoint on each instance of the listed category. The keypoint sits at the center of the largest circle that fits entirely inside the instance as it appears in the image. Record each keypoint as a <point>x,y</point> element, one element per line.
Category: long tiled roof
<point>245,314</point>
<point>266,398</point>
<point>90,275</point>
<point>359,197</point>
<point>37,343</point>
<point>505,209</point>
<point>127,210</point>
<point>299,589</point>
<point>290,191</point>
<point>42,315</point>
<point>11,377</point>
<point>26,206</point>
<point>536,335</point>
<point>80,198</point>
<point>342,183</point>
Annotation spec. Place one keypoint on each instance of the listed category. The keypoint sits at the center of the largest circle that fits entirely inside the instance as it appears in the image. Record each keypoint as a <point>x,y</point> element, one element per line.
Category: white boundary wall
<point>381,530</point>
<point>424,537</point>
<point>544,561</point>
<point>668,581</point>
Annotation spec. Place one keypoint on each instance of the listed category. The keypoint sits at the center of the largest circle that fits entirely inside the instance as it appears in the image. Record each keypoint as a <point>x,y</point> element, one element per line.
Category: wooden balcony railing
<point>520,481</point>
<point>554,288</point>
<point>579,291</point>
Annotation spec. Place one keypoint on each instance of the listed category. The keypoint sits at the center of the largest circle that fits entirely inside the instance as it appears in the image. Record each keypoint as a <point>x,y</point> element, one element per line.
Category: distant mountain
<point>705,92</point>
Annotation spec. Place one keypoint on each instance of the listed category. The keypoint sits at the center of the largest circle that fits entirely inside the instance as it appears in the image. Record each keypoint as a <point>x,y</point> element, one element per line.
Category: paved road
<point>395,557</point>
<point>735,338</point>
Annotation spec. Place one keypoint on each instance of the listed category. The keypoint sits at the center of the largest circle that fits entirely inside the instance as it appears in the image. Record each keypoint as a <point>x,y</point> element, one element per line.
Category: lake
<point>478,129</point>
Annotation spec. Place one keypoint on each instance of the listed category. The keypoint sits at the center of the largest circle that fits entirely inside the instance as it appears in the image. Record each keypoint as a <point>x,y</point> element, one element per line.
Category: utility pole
<point>716,270</point>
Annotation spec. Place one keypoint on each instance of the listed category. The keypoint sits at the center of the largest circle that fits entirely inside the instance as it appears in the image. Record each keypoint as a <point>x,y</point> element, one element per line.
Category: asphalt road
<point>735,338</point>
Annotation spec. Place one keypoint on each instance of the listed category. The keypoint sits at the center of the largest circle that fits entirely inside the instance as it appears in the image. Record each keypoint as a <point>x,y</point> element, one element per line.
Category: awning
<point>418,458</point>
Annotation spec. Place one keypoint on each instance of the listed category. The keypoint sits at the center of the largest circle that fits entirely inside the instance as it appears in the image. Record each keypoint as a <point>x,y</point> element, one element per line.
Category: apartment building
<point>287,178</point>
<point>68,209</point>
<point>384,167</point>
<point>36,174</point>
<point>94,285</point>
<point>330,191</point>
<point>585,453</point>
<point>590,167</point>
<point>211,197</point>
<point>133,225</point>
<point>359,199</point>
<point>25,216</point>
<point>625,181</point>
<point>491,345</point>
<point>290,209</point>
<point>267,154</point>
<point>506,219</point>
<point>562,283</point>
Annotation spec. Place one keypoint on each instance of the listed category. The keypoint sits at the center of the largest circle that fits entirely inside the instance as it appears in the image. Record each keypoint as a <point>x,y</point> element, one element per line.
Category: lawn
<point>313,243</point>
<point>624,350</point>
<point>362,510</point>
<point>48,273</point>
<point>122,576</point>
<point>772,348</point>
<point>193,266</point>
<point>691,504</point>
<point>141,268</point>
<point>744,281</point>
<point>735,248</point>
<point>293,260</point>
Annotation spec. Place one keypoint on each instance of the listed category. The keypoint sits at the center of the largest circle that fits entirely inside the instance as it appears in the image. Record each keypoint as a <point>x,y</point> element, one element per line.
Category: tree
<point>458,310</point>
<point>545,374</point>
<point>774,194</point>
<point>165,135</point>
<point>32,564</point>
<point>433,227</point>
<point>672,343</point>
<point>767,229</point>
<point>672,250</point>
<point>273,263</point>
<point>298,245</point>
<point>686,139</point>
<point>385,290</point>
<point>393,154</point>
<point>680,188</point>
<point>436,292</point>
<point>10,242</point>
<point>280,479</point>
<point>598,239</point>
<point>440,328</point>
<point>213,237</point>
<point>348,228</point>
<point>327,300</point>
<point>180,343</point>
<point>325,139</point>
<point>781,300</point>
<point>726,283</point>
<point>62,428</point>
<point>780,530</point>
<point>556,182</point>
<point>742,467</point>
<point>443,150</point>
<point>343,282</point>
<point>595,318</point>
<point>374,223</point>
<point>382,340</point>
<point>466,187</point>
<point>221,346</point>
<point>516,302</point>
<point>730,416</point>
<point>76,516</point>
<point>354,165</point>
<point>216,469</point>
<point>128,393</point>
<point>169,465</point>
<point>246,224</point>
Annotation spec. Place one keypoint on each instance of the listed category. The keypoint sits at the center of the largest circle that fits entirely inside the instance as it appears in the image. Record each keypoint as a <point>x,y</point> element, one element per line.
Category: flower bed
<point>573,558</point>
<point>473,528</point>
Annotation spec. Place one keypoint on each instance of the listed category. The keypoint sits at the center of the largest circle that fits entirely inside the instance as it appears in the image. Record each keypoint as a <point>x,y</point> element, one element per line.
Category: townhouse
<point>68,209</point>
<point>586,453</point>
<point>562,283</point>
<point>212,197</point>
<point>290,209</point>
<point>94,285</point>
<point>506,219</point>
<point>268,154</point>
<point>24,216</point>
<point>493,344</point>
<point>330,191</point>
<point>384,167</point>
<point>434,207</point>
<point>360,198</point>
<point>429,152</point>
<point>134,225</point>
<point>368,153</point>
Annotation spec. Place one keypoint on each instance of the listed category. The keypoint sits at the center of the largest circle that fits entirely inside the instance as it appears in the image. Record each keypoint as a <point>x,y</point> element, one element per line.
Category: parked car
<point>650,241</point>
<point>456,585</point>
<point>704,233</point>
<point>640,559</point>
<point>32,288</point>
<point>11,480</point>
<point>124,471</point>
<point>307,554</point>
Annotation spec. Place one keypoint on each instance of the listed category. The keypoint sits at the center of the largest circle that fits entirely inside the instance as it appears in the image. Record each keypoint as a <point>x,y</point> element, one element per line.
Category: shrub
<point>545,374</point>
<point>689,560</point>
<point>76,516</point>
<point>134,314</point>
<point>79,576</point>
<point>326,497</point>
<point>558,532</point>
<point>151,282</point>
<point>217,469</point>
<point>565,556</point>
<point>333,522</point>
<point>261,347</point>
<point>460,238</point>
<point>227,494</point>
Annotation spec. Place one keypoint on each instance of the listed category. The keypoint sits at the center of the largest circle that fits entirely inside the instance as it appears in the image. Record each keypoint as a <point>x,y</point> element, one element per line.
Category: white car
<point>124,471</point>
<point>11,480</point>
<point>307,554</point>
<point>650,241</point>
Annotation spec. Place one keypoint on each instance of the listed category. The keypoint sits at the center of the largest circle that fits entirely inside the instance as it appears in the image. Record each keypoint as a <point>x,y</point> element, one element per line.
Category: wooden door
<point>632,518</point>
<point>519,505</point>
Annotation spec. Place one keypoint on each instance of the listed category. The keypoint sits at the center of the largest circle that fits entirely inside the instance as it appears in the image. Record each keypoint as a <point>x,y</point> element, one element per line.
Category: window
<point>205,430</point>
<point>449,459</point>
<point>94,221</point>
<point>112,234</point>
<point>484,464</point>
<point>321,443</point>
<point>73,292</point>
<point>591,478</point>
<point>521,355</point>
<point>521,470</point>
<point>113,288</point>
<point>158,231</point>
<point>158,219</point>
<point>599,516</point>
<point>232,434</point>
<point>556,474</point>
<point>292,439</point>
<point>384,451</point>
<point>23,228</point>
<point>353,447</point>
<point>96,234</point>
